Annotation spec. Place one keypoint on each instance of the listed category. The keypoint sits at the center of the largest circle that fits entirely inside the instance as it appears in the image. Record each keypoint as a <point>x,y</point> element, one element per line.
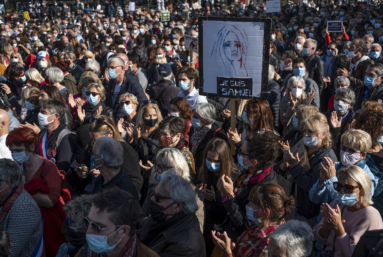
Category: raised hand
<point>310,96</point>
<point>335,122</point>
<point>233,136</point>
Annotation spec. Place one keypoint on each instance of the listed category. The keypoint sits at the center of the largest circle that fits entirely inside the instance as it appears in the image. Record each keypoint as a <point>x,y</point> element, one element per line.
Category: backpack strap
<point>61,135</point>
<point>215,132</point>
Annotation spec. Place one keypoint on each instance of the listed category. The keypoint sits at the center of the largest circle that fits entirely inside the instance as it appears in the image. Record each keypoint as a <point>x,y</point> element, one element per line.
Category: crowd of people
<point>109,148</point>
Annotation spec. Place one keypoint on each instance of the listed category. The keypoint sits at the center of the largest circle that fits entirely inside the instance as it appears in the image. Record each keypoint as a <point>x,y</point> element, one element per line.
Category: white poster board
<point>335,26</point>
<point>132,6</point>
<point>273,6</point>
<point>191,43</point>
<point>232,49</point>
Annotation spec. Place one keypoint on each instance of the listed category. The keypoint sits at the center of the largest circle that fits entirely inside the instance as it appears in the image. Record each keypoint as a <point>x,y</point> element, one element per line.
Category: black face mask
<point>150,122</point>
<point>157,212</point>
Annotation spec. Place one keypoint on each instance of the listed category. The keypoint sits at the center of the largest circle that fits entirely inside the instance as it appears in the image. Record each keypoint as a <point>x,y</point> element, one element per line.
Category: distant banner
<point>132,6</point>
<point>273,6</point>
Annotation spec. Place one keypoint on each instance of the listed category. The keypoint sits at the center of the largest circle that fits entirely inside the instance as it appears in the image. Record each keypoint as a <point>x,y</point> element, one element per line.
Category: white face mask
<point>43,64</point>
<point>349,158</point>
<point>175,114</point>
<point>297,92</point>
<point>167,48</point>
<point>43,119</point>
<point>298,47</point>
<point>340,106</point>
<point>127,109</point>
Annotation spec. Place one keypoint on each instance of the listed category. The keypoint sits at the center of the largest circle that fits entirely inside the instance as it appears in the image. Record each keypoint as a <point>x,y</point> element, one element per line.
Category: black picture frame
<point>266,51</point>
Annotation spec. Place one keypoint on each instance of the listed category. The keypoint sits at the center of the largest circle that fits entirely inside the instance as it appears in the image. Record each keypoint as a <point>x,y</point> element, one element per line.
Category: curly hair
<point>265,148</point>
<point>372,122</point>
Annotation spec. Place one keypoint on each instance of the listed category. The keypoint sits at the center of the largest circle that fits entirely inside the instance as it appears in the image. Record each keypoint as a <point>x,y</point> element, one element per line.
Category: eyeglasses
<point>348,189</point>
<point>349,150</point>
<point>126,102</point>
<point>96,228</point>
<point>243,154</point>
<point>91,93</point>
<point>157,197</point>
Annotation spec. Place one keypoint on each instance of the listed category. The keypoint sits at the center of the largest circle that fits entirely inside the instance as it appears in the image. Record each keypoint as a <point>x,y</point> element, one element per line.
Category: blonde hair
<point>306,111</point>
<point>34,75</point>
<point>100,89</point>
<point>8,49</point>
<point>361,177</point>
<point>88,74</point>
<point>132,98</point>
<point>105,128</point>
<point>28,91</point>
<point>70,55</point>
<point>318,123</point>
<point>241,107</point>
<point>18,57</point>
<point>140,119</point>
<point>358,139</point>
<point>89,54</point>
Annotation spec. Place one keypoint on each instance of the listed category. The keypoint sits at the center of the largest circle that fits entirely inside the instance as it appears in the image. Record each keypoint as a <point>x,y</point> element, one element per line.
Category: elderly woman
<point>294,238</point>
<point>348,217</point>
<point>34,79</point>
<point>21,216</point>
<point>74,227</point>
<point>355,145</point>
<point>203,130</point>
<point>172,159</point>
<point>54,77</point>
<point>340,82</point>
<point>290,102</point>
<point>43,181</point>
<point>305,169</point>
<point>372,122</point>
<point>86,113</point>
<point>69,81</point>
<point>128,107</point>
<point>266,211</point>
<point>74,69</point>
<point>93,66</point>
<point>342,115</point>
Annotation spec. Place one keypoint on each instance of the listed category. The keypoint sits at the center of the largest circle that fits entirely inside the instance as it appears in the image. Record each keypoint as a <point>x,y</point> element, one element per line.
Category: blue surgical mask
<point>240,162</point>
<point>141,31</point>
<point>250,216</point>
<point>377,25</point>
<point>348,199</point>
<point>30,106</point>
<point>92,99</point>
<point>381,39</point>
<point>307,29</point>
<point>213,167</point>
<point>184,85</point>
<point>124,38</point>
<point>99,243</point>
<point>305,51</point>
<point>299,72</point>
<point>93,163</point>
<point>23,79</point>
<point>310,141</point>
<point>196,123</point>
<point>368,81</point>
<point>315,25</point>
<point>341,13</point>
<point>112,73</point>
<point>295,122</point>
<point>244,118</point>
<point>345,51</point>
<point>375,55</point>
<point>272,37</point>
<point>159,176</point>
<point>20,157</point>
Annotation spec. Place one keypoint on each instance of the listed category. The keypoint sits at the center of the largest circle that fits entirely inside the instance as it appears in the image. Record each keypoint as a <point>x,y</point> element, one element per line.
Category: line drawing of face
<point>230,48</point>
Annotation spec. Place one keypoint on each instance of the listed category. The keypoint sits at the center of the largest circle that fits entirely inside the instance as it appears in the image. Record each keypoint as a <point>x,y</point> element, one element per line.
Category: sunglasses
<point>348,189</point>
<point>100,122</point>
<point>157,198</point>
<point>349,150</point>
<point>96,228</point>
<point>91,93</point>
<point>126,102</point>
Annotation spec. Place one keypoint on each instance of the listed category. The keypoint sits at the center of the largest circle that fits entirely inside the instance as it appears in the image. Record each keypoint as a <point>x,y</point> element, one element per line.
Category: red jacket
<point>327,39</point>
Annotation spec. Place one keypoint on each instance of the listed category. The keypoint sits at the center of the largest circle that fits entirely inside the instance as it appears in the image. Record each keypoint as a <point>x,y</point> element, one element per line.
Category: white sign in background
<point>232,49</point>
<point>273,6</point>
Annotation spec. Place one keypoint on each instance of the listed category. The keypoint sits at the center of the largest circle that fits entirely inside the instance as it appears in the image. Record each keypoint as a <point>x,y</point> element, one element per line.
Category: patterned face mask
<point>166,141</point>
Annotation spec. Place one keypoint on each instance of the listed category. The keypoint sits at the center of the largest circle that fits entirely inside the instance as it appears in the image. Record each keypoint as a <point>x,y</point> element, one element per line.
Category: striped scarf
<point>7,203</point>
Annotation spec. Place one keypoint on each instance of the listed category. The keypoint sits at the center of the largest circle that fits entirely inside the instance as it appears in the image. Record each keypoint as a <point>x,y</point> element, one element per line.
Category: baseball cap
<point>42,54</point>
<point>164,70</point>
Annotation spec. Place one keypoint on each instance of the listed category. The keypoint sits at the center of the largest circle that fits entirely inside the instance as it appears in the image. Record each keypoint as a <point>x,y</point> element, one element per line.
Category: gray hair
<point>92,65</point>
<point>312,43</point>
<point>378,67</point>
<point>300,37</point>
<point>370,37</point>
<point>346,93</point>
<point>116,59</point>
<point>206,111</point>
<point>173,157</point>
<point>376,44</point>
<point>54,74</point>
<point>77,209</point>
<point>296,236</point>
<point>10,170</point>
<point>271,72</point>
<point>347,44</point>
<point>179,190</point>
<point>167,78</point>
<point>342,79</point>
<point>54,106</point>
<point>294,80</point>
<point>110,151</point>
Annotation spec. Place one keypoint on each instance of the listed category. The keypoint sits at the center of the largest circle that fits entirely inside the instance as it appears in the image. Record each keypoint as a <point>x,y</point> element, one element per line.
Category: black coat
<point>129,85</point>
<point>274,98</point>
<point>370,244</point>
<point>54,11</point>
<point>181,238</point>
<point>163,92</point>
<point>377,93</point>
<point>315,67</point>
<point>105,111</point>
<point>215,131</point>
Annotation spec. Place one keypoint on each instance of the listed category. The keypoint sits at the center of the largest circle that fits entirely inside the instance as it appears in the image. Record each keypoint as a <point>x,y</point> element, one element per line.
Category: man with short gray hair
<point>107,157</point>
<point>314,65</point>
<point>172,227</point>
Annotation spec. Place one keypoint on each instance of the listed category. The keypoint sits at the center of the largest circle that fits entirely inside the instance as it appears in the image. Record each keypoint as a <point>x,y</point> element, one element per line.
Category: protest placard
<point>273,6</point>
<point>132,6</point>
<point>165,16</point>
<point>334,26</point>
<point>191,43</point>
<point>26,15</point>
